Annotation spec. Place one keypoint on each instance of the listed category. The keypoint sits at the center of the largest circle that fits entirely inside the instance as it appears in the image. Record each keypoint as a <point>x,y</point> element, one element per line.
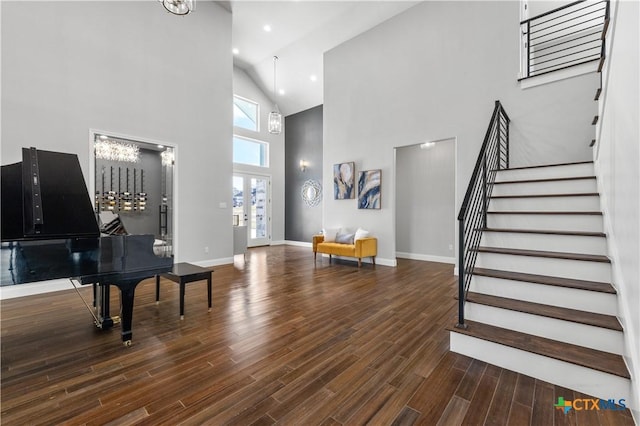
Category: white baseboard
<point>214,262</point>
<point>278,243</point>
<point>298,243</point>
<point>386,262</point>
<point>426,257</point>
<point>40,287</point>
<point>379,260</point>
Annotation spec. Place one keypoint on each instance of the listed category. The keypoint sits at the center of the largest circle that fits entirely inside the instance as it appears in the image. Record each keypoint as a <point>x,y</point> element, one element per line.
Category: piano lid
<point>45,197</point>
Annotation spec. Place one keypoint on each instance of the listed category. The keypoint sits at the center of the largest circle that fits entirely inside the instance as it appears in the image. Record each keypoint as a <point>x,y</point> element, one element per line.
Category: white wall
<point>425,201</point>
<point>537,7</point>
<point>617,159</point>
<point>431,73</point>
<point>245,87</point>
<point>128,68</point>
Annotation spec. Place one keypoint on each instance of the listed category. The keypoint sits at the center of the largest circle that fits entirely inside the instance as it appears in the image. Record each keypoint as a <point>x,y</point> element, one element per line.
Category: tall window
<point>250,151</point>
<point>245,113</point>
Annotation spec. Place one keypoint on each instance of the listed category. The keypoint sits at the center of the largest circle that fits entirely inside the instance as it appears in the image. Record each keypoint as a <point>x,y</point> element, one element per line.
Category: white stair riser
<point>547,204</point>
<point>564,268</point>
<point>550,222</point>
<point>546,242</point>
<point>553,187</point>
<point>546,172</point>
<point>561,373</point>
<point>572,298</point>
<point>598,338</point>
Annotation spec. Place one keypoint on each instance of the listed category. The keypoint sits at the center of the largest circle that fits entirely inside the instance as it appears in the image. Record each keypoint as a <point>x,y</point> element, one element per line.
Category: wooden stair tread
<point>544,180</point>
<point>547,280</point>
<point>604,29</point>
<point>547,254</point>
<point>579,355</point>
<point>575,194</point>
<point>592,213</point>
<point>601,64</point>
<point>545,231</point>
<point>556,312</point>
<point>598,92</point>
<point>545,165</point>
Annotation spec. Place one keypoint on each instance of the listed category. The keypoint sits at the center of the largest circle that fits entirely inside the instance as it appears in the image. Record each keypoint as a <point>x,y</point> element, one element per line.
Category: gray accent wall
<point>130,68</point>
<point>303,141</point>
<point>425,201</point>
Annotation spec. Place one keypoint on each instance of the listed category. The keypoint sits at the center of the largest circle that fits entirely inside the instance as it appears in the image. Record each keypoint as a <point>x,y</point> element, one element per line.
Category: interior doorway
<point>252,207</point>
<point>132,180</point>
<point>425,201</point>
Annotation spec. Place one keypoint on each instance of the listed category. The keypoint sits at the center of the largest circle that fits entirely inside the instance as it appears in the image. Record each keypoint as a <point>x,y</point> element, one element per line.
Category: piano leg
<point>102,303</point>
<point>127,293</point>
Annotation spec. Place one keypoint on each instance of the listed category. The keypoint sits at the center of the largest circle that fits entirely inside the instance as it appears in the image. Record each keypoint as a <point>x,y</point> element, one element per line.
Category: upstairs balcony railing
<point>564,37</point>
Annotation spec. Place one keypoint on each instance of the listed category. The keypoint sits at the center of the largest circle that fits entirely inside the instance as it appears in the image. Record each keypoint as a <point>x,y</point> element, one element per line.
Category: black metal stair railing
<point>472,219</point>
<point>564,37</point>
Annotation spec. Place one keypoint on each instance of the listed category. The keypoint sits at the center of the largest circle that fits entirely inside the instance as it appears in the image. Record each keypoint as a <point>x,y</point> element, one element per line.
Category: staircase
<point>540,299</point>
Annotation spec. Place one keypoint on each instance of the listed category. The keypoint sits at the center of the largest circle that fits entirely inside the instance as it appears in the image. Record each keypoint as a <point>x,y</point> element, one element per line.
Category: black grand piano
<point>49,231</point>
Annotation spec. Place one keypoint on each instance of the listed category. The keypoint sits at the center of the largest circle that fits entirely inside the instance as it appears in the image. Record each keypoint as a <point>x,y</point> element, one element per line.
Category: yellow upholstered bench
<point>364,247</point>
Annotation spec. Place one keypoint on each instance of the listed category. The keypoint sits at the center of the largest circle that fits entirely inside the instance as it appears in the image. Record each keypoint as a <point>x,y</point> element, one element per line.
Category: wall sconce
<point>303,166</point>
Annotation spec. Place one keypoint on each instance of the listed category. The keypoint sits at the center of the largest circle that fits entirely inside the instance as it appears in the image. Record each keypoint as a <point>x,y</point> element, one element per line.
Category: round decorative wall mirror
<point>311,193</point>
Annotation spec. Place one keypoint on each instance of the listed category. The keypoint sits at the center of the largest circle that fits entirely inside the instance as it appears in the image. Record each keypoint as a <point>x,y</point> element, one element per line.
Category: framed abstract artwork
<point>369,183</point>
<point>344,181</point>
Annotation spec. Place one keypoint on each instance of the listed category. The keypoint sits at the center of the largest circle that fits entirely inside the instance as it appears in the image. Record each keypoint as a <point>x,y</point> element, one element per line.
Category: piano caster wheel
<point>157,302</point>
<point>181,317</point>
<point>116,319</point>
<point>127,343</point>
<point>209,310</point>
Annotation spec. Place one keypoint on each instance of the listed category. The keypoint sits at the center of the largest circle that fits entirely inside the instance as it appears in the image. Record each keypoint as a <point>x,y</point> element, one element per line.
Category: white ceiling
<point>301,31</point>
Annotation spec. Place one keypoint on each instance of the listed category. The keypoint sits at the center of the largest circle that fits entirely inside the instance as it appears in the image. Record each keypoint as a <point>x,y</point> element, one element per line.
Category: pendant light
<point>275,118</point>
<point>179,7</point>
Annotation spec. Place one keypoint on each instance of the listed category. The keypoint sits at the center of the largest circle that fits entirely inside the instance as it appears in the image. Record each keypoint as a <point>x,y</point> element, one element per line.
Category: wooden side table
<point>182,274</point>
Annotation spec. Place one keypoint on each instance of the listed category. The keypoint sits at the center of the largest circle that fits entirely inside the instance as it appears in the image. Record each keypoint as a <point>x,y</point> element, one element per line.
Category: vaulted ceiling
<point>299,32</point>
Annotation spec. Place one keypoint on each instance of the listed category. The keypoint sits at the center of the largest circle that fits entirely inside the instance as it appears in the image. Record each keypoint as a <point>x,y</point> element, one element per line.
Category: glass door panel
<point>251,207</point>
<point>239,218</point>
<point>259,211</point>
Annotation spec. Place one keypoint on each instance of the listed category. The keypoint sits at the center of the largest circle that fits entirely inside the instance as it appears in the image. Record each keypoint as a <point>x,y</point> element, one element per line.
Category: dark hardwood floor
<point>286,343</point>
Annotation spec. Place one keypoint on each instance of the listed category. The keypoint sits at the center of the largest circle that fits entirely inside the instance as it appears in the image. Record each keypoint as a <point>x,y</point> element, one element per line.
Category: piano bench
<point>182,274</point>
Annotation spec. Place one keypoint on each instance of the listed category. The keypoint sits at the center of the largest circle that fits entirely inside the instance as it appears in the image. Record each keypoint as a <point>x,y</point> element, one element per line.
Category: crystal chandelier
<point>117,151</point>
<point>275,118</point>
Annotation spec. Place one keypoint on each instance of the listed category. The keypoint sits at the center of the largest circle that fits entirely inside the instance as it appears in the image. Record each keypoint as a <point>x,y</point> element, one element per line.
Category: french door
<point>252,207</point>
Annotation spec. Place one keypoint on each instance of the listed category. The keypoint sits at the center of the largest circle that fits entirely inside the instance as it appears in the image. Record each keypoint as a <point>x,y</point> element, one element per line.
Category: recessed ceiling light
<point>427,145</point>
<point>313,77</point>
<point>267,28</point>
<point>103,137</point>
<point>160,146</point>
<point>281,91</point>
<point>235,51</point>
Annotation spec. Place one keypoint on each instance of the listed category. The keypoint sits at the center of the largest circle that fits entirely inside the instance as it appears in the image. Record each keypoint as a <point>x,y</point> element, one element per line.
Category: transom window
<point>245,113</point>
<point>250,151</point>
